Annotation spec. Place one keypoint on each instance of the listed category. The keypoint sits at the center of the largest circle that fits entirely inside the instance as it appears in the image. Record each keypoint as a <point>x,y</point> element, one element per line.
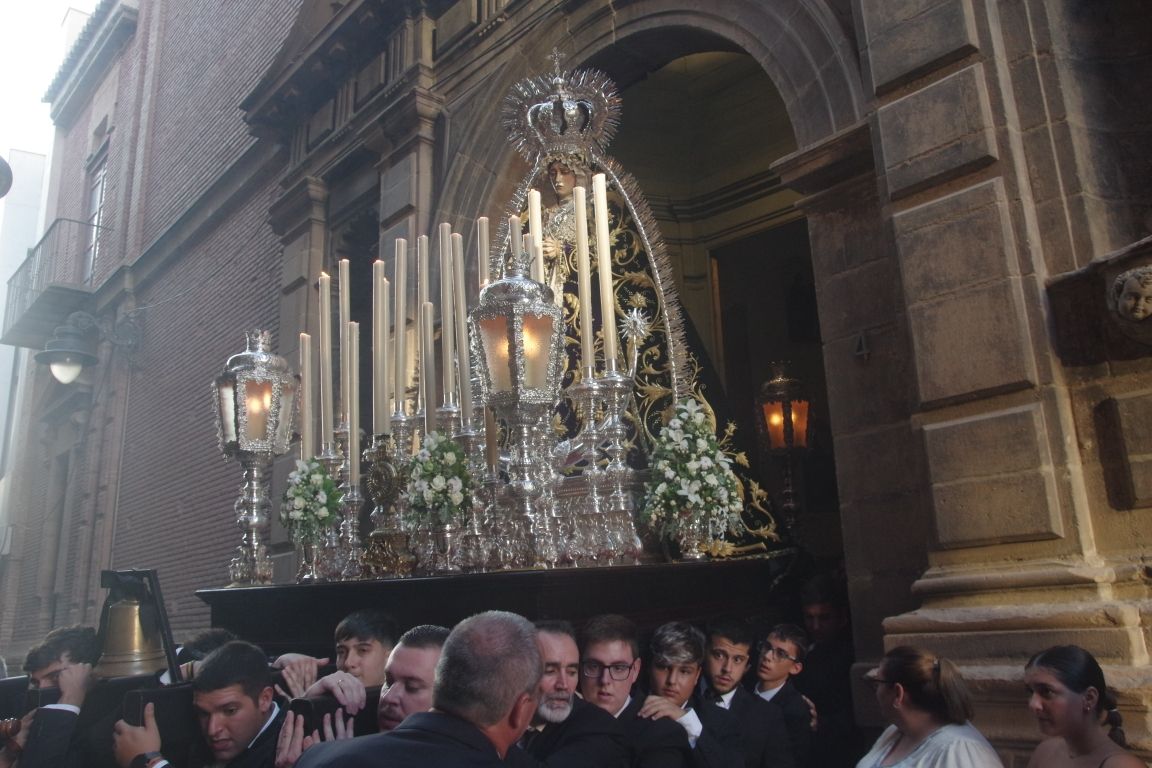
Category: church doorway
<point>699,132</point>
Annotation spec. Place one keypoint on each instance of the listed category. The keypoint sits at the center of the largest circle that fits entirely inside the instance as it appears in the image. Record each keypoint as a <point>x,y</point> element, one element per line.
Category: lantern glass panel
<point>227,394</point>
<point>774,422</point>
<point>258,400</point>
<point>287,415</point>
<point>497,352</point>
<point>537,350</point>
<point>800,423</point>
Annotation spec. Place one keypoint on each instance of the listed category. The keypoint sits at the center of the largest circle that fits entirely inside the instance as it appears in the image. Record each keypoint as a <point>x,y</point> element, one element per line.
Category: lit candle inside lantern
<point>584,277</point>
<point>345,316</point>
<point>307,444</point>
<point>483,266</point>
<point>427,357</point>
<point>325,358</point>
<point>380,382</point>
<point>459,304</point>
<point>354,405</point>
<point>447,318</point>
<point>401,324</point>
<point>604,264</point>
<point>536,230</point>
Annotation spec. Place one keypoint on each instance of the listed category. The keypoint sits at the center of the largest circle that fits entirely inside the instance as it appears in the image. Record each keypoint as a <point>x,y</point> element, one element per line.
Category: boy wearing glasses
<point>609,667</point>
<point>781,656</point>
<point>728,657</point>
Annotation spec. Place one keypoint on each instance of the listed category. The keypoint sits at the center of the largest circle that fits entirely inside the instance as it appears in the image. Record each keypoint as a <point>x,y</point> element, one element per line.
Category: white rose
<point>298,503</point>
<point>322,497</point>
<point>439,483</point>
<point>317,479</point>
<point>321,513</point>
<point>457,498</point>
<point>449,458</point>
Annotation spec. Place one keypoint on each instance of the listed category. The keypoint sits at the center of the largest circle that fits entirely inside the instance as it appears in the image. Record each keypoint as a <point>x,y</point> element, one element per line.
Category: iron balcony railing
<point>67,255</point>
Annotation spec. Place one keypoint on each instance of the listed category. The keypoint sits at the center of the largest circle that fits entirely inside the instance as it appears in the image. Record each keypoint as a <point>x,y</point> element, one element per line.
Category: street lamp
<point>782,408</point>
<point>73,345</point>
<point>255,408</point>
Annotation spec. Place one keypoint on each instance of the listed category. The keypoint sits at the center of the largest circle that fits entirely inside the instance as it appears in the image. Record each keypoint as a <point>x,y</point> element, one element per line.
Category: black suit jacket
<point>762,729</point>
<point>797,720</point>
<point>720,744</point>
<point>588,738</point>
<point>49,738</point>
<point>659,743</point>
<point>423,740</point>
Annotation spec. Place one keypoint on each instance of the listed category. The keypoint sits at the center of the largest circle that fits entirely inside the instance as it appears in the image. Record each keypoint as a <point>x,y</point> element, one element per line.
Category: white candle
<point>325,358</point>
<point>428,372</point>
<point>422,269</point>
<point>584,277</point>
<point>345,315</point>
<point>307,445</point>
<point>447,318</point>
<point>536,229</point>
<point>604,264</point>
<point>515,237</point>
<point>354,405</point>
<point>380,411</point>
<point>483,266</point>
<point>401,285</point>
<point>464,353</point>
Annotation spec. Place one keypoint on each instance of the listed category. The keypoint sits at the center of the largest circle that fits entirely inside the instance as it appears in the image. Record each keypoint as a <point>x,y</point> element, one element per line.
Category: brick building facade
<point>968,176</point>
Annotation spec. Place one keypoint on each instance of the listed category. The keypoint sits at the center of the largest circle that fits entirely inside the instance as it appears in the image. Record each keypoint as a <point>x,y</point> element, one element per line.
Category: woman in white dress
<point>1074,708</point>
<point>928,705</point>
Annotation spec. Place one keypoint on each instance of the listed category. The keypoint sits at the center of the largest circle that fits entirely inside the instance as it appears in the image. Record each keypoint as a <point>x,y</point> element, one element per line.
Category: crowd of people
<point>497,689</point>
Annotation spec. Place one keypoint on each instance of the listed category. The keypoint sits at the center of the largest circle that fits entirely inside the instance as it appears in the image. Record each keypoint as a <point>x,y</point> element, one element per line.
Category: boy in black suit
<point>781,656</point>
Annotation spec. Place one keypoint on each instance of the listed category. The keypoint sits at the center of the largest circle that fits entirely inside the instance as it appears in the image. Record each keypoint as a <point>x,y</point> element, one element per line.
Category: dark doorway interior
<point>766,306</point>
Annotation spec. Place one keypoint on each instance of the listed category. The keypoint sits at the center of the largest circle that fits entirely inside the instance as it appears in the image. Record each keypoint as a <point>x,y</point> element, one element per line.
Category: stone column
<point>1016,561</point>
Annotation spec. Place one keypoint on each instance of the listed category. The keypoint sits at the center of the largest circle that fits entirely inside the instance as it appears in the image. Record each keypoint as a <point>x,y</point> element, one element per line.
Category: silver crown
<point>574,112</point>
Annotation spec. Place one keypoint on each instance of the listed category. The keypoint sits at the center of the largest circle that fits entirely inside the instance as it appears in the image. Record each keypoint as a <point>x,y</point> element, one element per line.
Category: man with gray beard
<point>566,732</point>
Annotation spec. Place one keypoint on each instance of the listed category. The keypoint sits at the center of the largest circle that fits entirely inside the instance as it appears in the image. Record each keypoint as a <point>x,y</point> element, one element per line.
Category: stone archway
<point>810,61</point>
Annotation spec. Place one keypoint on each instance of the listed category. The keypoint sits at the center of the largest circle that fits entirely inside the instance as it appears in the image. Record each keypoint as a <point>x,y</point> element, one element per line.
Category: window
<point>94,212</point>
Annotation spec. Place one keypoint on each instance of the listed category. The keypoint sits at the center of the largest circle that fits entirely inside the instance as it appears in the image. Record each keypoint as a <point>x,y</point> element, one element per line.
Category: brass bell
<point>129,649</point>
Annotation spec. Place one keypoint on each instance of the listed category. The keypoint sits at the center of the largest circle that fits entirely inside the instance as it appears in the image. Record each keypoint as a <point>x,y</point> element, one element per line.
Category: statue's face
<point>1135,300</point>
<point>563,179</point>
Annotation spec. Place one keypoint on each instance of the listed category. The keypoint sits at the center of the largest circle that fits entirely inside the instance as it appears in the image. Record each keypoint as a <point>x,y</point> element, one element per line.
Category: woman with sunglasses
<point>928,705</point>
<point>1074,708</point>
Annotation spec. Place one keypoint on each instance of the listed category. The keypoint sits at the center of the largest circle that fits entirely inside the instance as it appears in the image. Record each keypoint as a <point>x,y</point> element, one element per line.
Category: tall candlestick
<point>491,438</point>
<point>604,264</point>
<point>536,229</point>
<point>447,318</point>
<point>380,383</point>
<point>401,283</point>
<point>345,316</point>
<point>354,404</point>
<point>584,277</point>
<point>483,266</point>
<point>428,358</point>
<point>307,443</point>
<point>325,358</point>
<point>459,303</point>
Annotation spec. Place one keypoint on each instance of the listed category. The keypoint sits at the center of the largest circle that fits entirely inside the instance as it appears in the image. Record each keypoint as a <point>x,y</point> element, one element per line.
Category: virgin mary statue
<point>561,124</point>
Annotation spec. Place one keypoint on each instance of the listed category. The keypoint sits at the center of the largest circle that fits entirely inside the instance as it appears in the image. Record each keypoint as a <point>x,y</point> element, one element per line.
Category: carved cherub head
<point>1132,291</point>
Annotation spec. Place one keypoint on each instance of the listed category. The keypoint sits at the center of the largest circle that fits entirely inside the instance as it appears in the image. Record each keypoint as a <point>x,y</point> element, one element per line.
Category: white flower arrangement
<point>439,483</point>
<point>691,478</point>
<point>311,500</point>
